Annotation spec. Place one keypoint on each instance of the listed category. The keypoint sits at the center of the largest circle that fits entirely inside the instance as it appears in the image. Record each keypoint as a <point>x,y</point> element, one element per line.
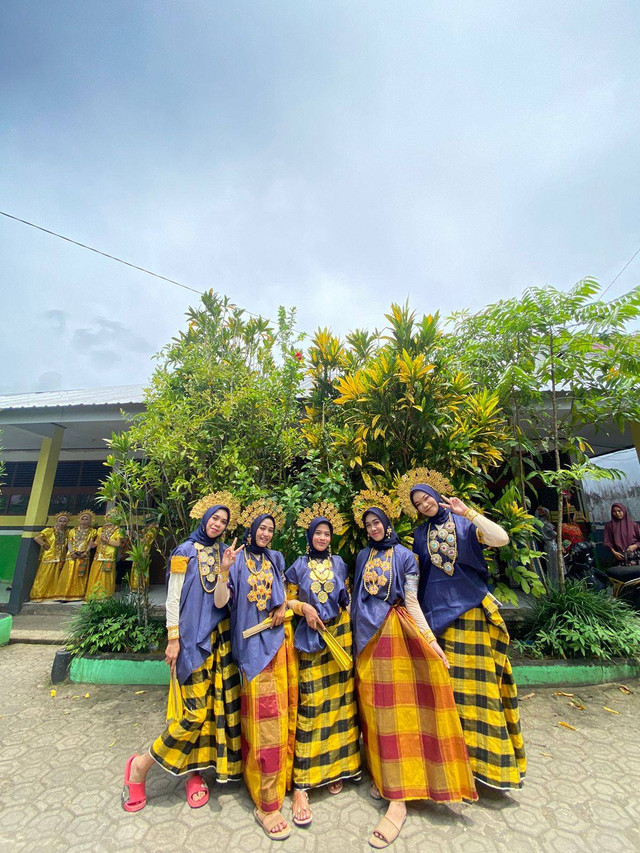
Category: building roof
<point>119,395</point>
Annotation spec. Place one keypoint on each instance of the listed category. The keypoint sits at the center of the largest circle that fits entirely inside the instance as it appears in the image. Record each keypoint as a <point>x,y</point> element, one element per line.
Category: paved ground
<point>62,757</point>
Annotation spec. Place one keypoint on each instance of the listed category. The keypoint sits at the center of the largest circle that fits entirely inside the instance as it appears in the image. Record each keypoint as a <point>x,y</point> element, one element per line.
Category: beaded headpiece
<point>324,509</point>
<point>420,475</point>
<point>218,499</point>
<point>263,506</point>
<point>368,498</point>
<point>86,512</point>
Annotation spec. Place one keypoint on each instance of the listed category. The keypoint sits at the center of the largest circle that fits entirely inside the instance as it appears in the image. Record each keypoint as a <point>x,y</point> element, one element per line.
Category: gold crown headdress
<point>368,498</point>
<point>86,512</point>
<point>427,476</point>
<point>66,515</point>
<point>326,509</point>
<point>215,499</point>
<point>263,506</point>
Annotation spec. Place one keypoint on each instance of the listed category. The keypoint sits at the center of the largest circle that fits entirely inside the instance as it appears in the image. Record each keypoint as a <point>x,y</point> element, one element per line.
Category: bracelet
<point>297,606</point>
<point>173,632</point>
<point>470,514</point>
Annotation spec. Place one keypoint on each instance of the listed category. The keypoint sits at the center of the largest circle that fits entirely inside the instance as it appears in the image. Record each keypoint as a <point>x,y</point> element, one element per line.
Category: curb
<point>557,674</point>
<point>6,622</point>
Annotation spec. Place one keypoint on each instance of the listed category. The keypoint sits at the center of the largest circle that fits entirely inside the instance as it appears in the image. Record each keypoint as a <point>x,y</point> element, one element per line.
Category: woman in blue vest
<point>199,654</point>
<point>455,599</point>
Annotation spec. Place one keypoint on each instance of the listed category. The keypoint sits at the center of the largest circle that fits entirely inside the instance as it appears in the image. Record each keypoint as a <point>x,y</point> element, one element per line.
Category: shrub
<point>579,622</point>
<point>112,625</point>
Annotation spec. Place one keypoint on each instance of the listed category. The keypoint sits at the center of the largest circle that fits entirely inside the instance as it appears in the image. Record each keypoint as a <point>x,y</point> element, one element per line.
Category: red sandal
<point>134,795</point>
<point>194,784</point>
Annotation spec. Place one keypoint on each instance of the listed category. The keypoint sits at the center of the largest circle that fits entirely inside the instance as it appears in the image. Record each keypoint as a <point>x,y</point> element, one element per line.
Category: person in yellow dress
<point>53,542</point>
<point>102,577</point>
<point>72,581</point>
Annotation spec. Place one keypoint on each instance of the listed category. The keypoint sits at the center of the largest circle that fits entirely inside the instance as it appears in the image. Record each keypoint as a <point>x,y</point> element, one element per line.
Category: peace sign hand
<point>454,505</point>
<point>230,555</point>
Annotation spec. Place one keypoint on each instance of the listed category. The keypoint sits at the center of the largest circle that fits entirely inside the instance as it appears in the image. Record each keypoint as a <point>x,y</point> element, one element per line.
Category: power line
<point>621,271</point>
<point>104,254</point>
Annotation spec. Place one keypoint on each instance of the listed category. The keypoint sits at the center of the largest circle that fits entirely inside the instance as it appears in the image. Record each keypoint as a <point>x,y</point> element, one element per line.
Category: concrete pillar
<point>35,518</point>
<point>634,429</point>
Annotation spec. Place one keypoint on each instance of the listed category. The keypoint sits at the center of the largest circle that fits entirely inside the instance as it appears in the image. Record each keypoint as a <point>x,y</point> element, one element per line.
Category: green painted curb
<point>557,674</point>
<point>573,674</point>
<point>6,622</point>
<point>119,671</point>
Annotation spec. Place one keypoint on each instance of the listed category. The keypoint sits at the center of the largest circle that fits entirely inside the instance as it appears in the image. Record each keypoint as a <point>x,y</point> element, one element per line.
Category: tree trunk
<point>556,453</point>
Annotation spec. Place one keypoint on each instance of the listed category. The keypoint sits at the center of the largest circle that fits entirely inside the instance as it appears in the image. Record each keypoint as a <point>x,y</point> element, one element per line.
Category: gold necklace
<point>209,565</point>
<point>443,546</point>
<point>260,580</point>
<point>321,574</point>
<point>375,573</point>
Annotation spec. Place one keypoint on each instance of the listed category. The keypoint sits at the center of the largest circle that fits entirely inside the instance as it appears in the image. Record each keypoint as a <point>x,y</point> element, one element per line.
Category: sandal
<point>134,794</point>
<point>303,821</point>
<point>194,784</point>
<point>335,787</point>
<point>382,836</point>
<point>374,793</point>
<point>271,819</point>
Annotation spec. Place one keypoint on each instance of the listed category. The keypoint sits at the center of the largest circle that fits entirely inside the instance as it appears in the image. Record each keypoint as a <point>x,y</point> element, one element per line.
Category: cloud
<point>104,331</point>
<point>57,319</point>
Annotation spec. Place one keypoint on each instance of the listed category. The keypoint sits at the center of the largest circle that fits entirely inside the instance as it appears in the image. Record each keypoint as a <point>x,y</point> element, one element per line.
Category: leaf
<point>560,693</point>
<point>623,689</point>
<point>138,692</point>
<point>52,693</point>
<point>567,726</point>
<point>527,696</point>
<point>578,705</point>
<point>86,695</point>
<point>113,743</point>
<point>610,710</point>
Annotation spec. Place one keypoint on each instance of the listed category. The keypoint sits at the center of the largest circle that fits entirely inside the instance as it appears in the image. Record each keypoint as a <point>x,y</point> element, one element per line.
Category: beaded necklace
<point>321,574</point>
<point>443,545</point>
<point>209,564</point>
<point>260,580</point>
<point>375,572</point>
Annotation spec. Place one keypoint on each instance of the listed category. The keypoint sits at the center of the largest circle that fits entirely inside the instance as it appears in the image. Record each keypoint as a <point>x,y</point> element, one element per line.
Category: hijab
<point>249,538</point>
<point>389,540</point>
<point>311,529</point>
<point>200,533</point>
<point>622,532</point>
<point>441,516</point>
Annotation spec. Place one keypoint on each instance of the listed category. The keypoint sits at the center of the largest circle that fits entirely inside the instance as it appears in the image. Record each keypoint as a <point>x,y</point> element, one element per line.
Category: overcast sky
<point>332,155</point>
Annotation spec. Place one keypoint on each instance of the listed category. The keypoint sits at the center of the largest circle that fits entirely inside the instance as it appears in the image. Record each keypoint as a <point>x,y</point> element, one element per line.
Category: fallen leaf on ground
<point>138,692</point>
<point>546,754</point>
<point>610,710</point>
<point>86,695</point>
<point>560,693</point>
<point>112,744</point>
<point>623,689</point>
<point>527,696</point>
<point>567,726</point>
<point>52,693</point>
<point>578,705</point>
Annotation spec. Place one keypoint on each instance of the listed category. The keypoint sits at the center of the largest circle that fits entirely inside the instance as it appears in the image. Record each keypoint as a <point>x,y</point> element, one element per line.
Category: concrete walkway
<point>62,758</point>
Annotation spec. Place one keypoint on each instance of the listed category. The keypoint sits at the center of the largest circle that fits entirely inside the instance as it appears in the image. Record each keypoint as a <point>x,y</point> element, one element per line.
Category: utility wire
<point>621,271</point>
<point>104,254</point>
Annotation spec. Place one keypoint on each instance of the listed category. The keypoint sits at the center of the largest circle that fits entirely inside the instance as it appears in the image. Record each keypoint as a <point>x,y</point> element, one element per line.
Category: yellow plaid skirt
<point>268,725</point>
<point>327,744</point>
<point>486,695</point>
<point>208,735</point>
<point>412,736</point>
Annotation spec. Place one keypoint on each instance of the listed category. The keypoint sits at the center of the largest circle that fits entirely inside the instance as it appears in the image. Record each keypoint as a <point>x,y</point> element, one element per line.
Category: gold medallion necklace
<point>375,572</point>
<point>443,545</point>
<point>260,580</point>
<point>209,565</point>
<point>321,574</point>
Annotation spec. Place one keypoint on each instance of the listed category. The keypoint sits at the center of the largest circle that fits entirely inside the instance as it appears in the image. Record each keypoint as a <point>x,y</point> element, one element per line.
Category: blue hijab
<point>249,538</point>
<point>388,541</point>
<point>442,515</point>
<point>311,529</point>
<point>200,533</point>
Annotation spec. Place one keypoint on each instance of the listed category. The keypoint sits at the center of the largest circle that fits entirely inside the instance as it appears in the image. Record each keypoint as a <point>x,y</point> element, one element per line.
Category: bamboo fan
<point>340,655</point>
<point>264,625</point>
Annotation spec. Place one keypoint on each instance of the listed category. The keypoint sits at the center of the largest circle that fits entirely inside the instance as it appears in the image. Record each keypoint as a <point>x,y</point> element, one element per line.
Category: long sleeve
<point>414,609</point>
<point>174,591</point>
<point>489,533</point>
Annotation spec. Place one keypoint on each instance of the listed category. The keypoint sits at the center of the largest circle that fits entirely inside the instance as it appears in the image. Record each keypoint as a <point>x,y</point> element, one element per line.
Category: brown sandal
<point>268,821</point>
<point>382,836</point>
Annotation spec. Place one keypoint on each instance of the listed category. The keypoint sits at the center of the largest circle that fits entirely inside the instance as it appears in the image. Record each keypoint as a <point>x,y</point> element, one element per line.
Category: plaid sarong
<point>412,736</point>
<point>486,695</point>
<point>327,746</point>
<point>208,735</point>
<point>268,723</point>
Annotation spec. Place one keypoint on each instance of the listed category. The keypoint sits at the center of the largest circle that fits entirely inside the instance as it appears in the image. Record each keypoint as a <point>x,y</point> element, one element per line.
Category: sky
<point>332,155</point>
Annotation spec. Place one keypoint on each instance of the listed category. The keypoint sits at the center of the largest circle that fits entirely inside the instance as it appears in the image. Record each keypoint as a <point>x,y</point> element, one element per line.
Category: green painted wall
<point>5,628</point>
<point>8,552</point>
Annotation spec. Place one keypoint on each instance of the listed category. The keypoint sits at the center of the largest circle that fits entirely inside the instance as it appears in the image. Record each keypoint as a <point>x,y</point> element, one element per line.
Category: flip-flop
<point>194,784</point>
<point>274,836</point>
<point>337,787</point>
<point>385,836</point>
<point>374,793</point>
<point>134,795</point>
<point>303,821</point>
